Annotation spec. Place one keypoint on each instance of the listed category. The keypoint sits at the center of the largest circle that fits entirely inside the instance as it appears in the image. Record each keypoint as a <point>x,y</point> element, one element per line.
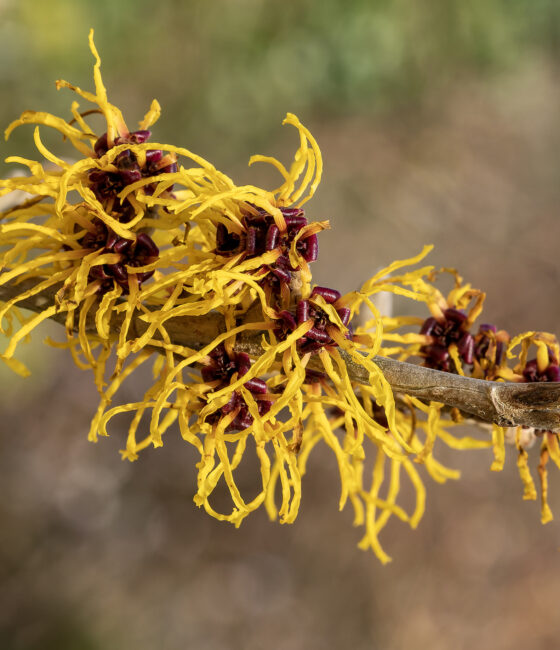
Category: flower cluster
<point>162,258</point>
<point>219,371</point>
<point>132,253</point>
<point>445,342</point>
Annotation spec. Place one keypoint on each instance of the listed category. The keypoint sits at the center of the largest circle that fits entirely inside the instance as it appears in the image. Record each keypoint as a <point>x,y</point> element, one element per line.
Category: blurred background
<point>439,123</point>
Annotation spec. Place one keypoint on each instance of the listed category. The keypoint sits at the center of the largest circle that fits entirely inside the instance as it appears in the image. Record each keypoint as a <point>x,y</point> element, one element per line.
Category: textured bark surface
<point>507,404</point>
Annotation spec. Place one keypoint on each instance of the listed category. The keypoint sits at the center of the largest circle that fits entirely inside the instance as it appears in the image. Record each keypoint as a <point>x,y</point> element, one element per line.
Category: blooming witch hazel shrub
<point>134,238</point>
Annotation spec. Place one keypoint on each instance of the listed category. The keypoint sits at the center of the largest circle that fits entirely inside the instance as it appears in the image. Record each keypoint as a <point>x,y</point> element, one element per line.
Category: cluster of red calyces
<point>551,372</point>
<point>483,350</point>
<point>489,345</point>
<point>220,370</point>
<point>134,253</point>
<point>317,337</point>
<point>262,235</point>
<point>106,185</point>
<point>450,329</point>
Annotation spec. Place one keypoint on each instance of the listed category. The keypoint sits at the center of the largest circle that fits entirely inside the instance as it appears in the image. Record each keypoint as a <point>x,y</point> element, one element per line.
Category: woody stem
<point>504,403</point>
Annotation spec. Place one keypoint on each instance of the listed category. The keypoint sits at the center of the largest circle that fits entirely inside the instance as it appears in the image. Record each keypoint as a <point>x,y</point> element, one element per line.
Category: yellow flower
<point>152,244</point>
<point>99,246</point>
<point>446,343</point>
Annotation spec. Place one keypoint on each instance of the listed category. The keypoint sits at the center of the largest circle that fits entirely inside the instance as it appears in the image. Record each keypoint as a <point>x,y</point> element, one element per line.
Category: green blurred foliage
<point>226,71</point>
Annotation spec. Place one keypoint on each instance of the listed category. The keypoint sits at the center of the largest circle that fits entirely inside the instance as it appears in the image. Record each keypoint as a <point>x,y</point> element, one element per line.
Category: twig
<point>507,404</point>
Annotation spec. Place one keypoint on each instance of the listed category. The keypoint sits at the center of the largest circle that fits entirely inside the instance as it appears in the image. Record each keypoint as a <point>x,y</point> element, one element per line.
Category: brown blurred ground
<point>97,553</point>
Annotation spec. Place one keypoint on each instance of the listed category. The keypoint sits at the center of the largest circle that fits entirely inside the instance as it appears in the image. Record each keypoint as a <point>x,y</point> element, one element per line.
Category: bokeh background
<point>439,123</point>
